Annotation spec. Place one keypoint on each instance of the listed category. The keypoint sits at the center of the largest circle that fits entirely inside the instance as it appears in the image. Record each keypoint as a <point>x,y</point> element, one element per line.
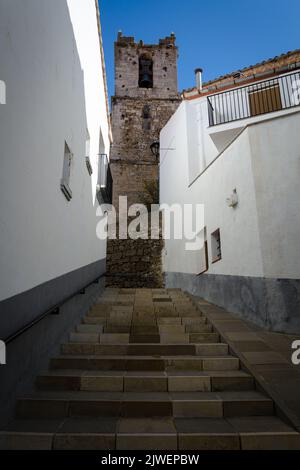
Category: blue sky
<point>220,35</point>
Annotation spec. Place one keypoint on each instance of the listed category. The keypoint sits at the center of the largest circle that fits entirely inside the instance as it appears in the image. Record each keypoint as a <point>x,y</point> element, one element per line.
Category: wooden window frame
<point>212,236</point>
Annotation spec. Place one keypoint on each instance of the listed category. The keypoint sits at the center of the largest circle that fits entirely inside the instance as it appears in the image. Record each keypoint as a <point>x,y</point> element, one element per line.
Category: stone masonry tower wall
<point>146,96</point>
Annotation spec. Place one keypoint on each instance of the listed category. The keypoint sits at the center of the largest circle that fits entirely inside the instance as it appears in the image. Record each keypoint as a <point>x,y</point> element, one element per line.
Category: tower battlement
<point>130,40</point>
<point>157,63</point>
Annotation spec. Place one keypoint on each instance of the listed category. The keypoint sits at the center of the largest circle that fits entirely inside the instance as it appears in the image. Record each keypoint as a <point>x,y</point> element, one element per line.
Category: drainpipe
<point>198,73</point>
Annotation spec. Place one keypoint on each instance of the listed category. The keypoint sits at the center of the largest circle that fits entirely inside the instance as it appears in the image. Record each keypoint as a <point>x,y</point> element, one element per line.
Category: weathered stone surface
<point>160,393</point>
<point>138,115</point>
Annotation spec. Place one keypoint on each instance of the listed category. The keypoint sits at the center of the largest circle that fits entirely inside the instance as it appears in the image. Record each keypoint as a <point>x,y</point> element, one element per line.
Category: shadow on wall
<point>46,104</point>
<point>44,238</point>
<point>272,304</point>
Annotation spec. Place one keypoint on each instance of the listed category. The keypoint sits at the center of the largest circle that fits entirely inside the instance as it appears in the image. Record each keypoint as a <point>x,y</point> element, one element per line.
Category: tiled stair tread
<point>225,425</point>
<point>142,345</point>
<point>243,424</point>
<point>121,373</point>
<point>93,362</point>
<point>143,358</point>
<point>146,396</point>
<point>149,441</point>
<point>146,381</point>
<point>140,348</point>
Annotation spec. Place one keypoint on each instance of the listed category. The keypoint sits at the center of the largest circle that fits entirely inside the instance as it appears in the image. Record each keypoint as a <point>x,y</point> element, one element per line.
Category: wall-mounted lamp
<point>232,200</point>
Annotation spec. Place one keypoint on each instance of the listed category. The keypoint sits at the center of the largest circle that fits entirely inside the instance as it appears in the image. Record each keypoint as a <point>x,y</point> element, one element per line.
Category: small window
<point>87,152</point>
<point>145,71</point>
<point>65,181</point>
<point>205,252</point>
<point>216,246</point>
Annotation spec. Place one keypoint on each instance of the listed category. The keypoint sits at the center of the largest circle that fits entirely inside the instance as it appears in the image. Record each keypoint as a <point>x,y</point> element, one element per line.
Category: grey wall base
<point>29,354</point>
<point>21,309</point>
<point>273,304</point>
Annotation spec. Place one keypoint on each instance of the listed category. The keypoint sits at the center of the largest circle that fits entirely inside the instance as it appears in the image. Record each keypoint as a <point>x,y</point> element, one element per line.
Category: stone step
<point>114,338</point>
<point>144,338</point>
<point>144,363</point>
<point>188,312</point>
<point>144,329</point>
<point>94,320</point>
<point>95,348</point>
<point>129,349</point>
<point>194,327</point>
<point>56,405</point>
<point>174,338</point>
<point>146,370</point>
<point>204,337</point>
<point>114,328</point>
<point>171,329</point>
<point>86,328</point>
<point>193,320</point>
<point>161,298</point>
<point>246,433</point>
<point>166,312</point>
<point>185,338</point>
<point>243,433</point>
<point>102,338</point>
<point>189,328</point>
<point>152,382</point>
<point>100,311</point>
<point>84,337</point>
<point>169,320</point>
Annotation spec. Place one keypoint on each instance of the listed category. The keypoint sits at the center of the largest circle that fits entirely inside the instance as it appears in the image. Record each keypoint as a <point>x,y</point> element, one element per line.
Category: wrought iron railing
<point>282,92</point>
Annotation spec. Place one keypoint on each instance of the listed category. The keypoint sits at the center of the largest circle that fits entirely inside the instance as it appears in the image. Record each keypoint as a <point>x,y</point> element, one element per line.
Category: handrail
<point>53,310</point>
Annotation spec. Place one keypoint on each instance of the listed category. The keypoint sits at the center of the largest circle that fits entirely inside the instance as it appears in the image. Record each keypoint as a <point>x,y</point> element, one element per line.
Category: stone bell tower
<point>146,96</point>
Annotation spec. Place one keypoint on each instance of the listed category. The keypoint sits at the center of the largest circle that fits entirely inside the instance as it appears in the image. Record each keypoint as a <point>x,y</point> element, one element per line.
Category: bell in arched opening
<point>145,72</point>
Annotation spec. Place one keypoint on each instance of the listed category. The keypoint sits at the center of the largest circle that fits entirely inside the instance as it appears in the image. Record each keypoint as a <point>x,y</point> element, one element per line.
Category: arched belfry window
<point>145,71</point>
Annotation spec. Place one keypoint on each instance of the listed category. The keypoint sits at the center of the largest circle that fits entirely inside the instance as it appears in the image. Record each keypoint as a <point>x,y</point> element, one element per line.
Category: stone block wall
<point>134,263</point>
<point>138,115</point>
<point>129,180</point>
<point>164,56</point>
<point>132,162</point>
<point>138,262</point>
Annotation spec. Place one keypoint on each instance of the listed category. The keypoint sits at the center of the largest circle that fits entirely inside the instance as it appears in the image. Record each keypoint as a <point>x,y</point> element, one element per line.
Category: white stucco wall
<point>259,237</point>
<point>275,156</point>
<point>83,15</point>
<point>50,61</point>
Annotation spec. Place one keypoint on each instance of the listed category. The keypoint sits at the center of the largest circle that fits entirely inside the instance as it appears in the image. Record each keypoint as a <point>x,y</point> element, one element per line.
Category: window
<point>265,100</point>
<point>146,118</point>
<point>216,246</point>
<point>102,161</point>
<point>65,181</point>
<point>204,254</point>
<point>105,184</point>
<point>87,152</point>
<point>145,71</point>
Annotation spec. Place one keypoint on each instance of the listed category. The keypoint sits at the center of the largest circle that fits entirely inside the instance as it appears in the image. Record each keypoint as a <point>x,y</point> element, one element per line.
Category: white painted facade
<point>258,157</point>
<point>51,61</point>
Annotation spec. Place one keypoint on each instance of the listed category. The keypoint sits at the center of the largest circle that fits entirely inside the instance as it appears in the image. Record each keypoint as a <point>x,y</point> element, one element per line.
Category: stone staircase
<point>146,370</point>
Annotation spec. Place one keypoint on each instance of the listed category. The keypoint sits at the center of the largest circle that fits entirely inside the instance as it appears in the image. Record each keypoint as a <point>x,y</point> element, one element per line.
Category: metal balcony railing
<point>105,179</point>
<point>263,97</point>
